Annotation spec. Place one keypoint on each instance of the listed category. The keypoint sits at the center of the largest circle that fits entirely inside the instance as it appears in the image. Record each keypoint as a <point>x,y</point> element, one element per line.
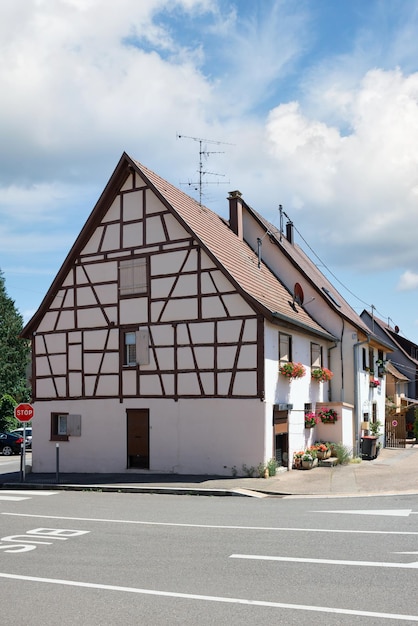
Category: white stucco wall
<point>202,436</point>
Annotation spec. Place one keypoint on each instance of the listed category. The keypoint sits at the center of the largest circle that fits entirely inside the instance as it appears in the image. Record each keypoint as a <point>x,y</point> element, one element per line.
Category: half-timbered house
<point>157,346</point>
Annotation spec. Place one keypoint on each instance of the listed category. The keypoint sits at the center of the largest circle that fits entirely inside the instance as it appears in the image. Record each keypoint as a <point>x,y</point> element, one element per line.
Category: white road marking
<point>217,526</point>
<point>189,596</point>
<point>21,494</point>
<point>390,512</point>
<point>13,498</point>
<point>290,559</point>
<point>32,492</point>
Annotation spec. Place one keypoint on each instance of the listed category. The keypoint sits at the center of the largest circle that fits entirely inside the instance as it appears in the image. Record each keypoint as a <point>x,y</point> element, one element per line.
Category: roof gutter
<point>305,327</point>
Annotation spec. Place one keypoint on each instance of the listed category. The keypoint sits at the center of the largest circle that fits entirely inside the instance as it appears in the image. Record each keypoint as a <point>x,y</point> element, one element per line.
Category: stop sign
<point>24,412</point>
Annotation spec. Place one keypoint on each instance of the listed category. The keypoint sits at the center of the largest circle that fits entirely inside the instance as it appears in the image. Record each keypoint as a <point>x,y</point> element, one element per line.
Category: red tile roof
<point>239,262</point>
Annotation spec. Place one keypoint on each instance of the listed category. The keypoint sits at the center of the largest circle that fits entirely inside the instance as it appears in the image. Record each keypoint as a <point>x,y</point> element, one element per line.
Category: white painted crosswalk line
<point>31,492</point>
<point>14,498</point>
<point>17,495</point>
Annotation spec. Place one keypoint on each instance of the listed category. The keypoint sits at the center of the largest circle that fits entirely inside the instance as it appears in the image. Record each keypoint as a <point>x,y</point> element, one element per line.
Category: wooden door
<point>138,438</point>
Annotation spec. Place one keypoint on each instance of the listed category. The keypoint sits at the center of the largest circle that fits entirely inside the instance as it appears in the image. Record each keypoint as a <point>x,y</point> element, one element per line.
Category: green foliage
<point>375,427</point>
<point>343,453</point>
<point>261,468</point>
<point>248,471</point>
<point>416,423</point>
<point>272,466</point>
<point>7,418</point>
<point>14,351</point>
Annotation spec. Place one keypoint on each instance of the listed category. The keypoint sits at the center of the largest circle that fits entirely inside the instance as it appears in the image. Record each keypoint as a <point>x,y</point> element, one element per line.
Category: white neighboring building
<point>157,346</point>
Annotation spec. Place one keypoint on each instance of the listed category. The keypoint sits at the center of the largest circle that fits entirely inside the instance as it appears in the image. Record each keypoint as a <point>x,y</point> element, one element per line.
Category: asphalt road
<point>93,558</point>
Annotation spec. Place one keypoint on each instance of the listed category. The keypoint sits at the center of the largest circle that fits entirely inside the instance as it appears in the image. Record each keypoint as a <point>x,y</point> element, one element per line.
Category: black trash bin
<point>369,447</point>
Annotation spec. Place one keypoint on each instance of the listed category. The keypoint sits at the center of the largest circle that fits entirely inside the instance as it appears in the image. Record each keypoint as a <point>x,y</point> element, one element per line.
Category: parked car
<point>19,432</point>
<point>10,444</point>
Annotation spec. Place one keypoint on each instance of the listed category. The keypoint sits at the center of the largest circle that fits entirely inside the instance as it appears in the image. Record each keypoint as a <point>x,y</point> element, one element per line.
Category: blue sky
<point>310,104</point>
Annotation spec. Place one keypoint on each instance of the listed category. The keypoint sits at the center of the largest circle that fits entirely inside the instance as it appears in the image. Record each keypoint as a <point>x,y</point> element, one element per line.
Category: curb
<point>189,491</point>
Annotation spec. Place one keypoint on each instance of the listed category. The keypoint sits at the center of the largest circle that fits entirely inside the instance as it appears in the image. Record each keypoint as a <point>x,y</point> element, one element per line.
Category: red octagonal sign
<point>24,412</point>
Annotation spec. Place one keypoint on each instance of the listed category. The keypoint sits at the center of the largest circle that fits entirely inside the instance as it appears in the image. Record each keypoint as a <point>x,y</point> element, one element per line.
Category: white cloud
<point>408,281</point>
<point>360,190</point>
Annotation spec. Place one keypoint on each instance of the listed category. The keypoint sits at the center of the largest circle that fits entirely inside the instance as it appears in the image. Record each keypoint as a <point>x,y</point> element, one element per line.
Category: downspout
<point>329,365</point>
<point>342,396</point>
<point>356,347</point>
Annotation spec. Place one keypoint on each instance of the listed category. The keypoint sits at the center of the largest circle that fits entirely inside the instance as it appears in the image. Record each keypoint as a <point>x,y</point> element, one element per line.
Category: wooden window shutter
<point>316,355</point>
<point>133,276</point>
<point>74,425</point>
<point>142,346</point>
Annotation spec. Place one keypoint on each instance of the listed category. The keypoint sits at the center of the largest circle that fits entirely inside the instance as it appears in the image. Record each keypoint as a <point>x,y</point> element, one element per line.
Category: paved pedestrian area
<point>395,471</point>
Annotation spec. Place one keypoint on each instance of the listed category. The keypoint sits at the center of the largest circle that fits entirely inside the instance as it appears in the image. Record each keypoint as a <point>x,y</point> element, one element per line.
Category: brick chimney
<point>235,213</point>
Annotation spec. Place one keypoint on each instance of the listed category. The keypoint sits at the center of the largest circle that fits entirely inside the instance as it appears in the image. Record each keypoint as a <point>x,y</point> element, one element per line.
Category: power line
<point>323,264</point>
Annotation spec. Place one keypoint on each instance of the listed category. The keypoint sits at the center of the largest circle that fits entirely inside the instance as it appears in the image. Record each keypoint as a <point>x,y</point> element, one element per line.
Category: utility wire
<point>323,264</point>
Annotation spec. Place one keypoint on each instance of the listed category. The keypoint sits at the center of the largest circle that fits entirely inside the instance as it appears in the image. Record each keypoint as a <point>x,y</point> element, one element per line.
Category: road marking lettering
<point>100,520</point>
<point>290,559</point>
<point>32,538</point>
<point>221,599</point>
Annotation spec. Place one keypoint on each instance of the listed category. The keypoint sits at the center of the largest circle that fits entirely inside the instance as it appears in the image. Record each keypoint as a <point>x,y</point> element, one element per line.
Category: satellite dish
<point>396,329</point>
<point>298,294</point>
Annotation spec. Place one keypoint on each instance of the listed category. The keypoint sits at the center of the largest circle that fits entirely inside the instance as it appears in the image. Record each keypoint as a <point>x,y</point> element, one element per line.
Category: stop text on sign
<point>24,412</point>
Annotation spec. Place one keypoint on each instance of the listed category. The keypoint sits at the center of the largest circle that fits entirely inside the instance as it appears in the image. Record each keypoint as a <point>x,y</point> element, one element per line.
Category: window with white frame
<point>129,348</point>
<point>59,426</point>
<point>64,425</point>
<point>285,348</point>
<point>136,347</point>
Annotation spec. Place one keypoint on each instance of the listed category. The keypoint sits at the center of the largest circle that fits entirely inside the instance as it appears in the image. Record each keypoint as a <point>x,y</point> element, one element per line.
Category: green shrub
<point>344,453</point>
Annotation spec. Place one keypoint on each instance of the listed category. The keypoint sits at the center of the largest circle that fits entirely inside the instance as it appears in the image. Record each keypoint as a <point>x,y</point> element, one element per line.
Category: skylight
<point>331,297</point>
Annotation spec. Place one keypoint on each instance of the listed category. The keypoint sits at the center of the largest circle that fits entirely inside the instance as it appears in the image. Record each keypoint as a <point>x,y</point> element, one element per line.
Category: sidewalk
<point>395,471</point>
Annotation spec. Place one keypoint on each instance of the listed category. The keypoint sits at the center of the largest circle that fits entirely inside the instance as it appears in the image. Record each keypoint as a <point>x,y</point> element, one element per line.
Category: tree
<point>14,358</point>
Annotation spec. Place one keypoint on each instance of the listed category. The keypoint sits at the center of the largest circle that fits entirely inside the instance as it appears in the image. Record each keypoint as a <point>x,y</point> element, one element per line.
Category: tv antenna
<point>204,152</point>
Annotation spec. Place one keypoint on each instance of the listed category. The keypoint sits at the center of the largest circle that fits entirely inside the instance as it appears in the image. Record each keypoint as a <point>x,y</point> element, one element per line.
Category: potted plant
<point>381,367</point>
<point>309,459</point>
<point>374,428</point>
<point>374,382</point>
<point>297,459</point>
<point>311,420</point>
<point>292,370</point>
<point>328,416</point>
<point>322,451</point>
<point>321,374</point>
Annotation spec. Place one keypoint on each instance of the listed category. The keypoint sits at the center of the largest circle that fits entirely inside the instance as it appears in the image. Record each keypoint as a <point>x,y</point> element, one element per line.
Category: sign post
<point>24,413</point>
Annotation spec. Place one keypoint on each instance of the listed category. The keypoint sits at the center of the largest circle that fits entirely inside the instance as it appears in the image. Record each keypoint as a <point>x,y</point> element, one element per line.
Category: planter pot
<point>309,464</point>
<point>323,455</point>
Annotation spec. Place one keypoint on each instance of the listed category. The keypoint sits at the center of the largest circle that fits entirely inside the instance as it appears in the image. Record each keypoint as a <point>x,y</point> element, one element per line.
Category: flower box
<point>328,416</point>
<point>311,420</point>
<point>321,374</point>
<point>292,370</point>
